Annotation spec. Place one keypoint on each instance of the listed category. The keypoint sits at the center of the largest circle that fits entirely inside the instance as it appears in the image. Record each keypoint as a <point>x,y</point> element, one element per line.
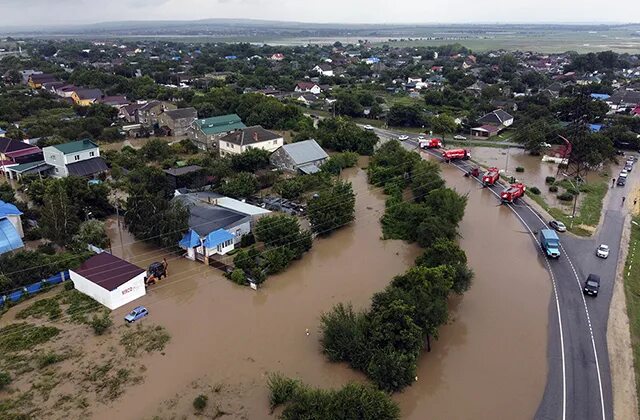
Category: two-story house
<point>78,158</point>
<point>177,121</point>
<point>308,87</point>
<point>86,97</point>
<point>204,133</point>
<point>148,113</point>
<point>254,137</point>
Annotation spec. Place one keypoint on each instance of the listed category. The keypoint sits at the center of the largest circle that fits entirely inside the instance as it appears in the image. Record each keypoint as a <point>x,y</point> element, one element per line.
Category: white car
<point>459,137</point>
<point>403,137</point>
<point>603,251</point>
<point>368,127</point>
<point>422,138</point>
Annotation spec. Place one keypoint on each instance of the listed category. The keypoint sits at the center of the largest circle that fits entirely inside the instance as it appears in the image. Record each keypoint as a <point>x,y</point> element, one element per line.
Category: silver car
<point>603,251</point>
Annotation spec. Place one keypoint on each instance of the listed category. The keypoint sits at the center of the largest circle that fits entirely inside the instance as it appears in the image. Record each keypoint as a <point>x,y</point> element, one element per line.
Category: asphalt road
<point>578,381</point>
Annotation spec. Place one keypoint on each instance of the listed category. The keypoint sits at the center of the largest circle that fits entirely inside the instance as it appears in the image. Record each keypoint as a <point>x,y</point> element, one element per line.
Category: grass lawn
<point>632,293</point>
<point>588,214</point>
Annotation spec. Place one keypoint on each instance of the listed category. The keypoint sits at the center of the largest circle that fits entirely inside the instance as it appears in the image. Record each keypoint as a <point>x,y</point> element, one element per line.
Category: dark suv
<point>592,285</point>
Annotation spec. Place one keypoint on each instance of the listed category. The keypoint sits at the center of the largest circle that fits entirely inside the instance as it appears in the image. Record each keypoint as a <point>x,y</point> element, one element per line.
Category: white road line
<point>586,311</point>
<point>555,293</point>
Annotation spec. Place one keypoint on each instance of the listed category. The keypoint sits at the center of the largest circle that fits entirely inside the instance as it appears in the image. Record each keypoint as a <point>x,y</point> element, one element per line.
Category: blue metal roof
<point>9,237</point>
<point>190,240</point>
<point>217,237</point>
<point>595,128</point>
<point>600,96</point>
<point>8,209</point>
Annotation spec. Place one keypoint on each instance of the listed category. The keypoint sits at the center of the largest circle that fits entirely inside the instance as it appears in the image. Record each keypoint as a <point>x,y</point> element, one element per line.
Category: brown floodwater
<point>490,359</point>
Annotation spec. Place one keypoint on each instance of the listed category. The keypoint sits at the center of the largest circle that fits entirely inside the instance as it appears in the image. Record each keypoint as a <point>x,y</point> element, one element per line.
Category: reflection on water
<point>490,360</point>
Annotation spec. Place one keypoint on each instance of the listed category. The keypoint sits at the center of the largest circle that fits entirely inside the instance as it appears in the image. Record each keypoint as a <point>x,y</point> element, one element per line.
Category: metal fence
<point>34,288</point>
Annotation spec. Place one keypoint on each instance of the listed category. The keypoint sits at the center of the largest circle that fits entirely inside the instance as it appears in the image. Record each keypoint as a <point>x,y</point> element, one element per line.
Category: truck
<point>456,154</point>
<point>550,242</point>
<point>513,192</point>
<point>430,143</point>
<point>490,177</point>
<point>156,271</point>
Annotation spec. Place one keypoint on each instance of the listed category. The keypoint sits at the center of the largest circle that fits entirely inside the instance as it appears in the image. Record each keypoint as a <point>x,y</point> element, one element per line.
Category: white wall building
<point>254,137</point>
<point>109,280</point>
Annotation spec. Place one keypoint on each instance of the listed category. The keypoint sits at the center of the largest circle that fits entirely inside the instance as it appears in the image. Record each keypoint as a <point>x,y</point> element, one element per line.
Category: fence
<point>34,288</point>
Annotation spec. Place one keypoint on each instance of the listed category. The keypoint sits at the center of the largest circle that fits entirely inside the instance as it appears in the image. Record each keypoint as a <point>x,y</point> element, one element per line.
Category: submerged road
<point>579,380</point>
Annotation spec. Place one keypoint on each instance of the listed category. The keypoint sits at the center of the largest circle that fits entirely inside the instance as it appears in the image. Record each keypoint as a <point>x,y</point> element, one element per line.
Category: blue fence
<point>34,288</point>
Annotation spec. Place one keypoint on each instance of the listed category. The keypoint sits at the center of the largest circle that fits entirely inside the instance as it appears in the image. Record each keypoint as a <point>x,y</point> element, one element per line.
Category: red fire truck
<point>455,154</point>
<point>430,144</point>
<point>513,192</point>
<point>490,177</point>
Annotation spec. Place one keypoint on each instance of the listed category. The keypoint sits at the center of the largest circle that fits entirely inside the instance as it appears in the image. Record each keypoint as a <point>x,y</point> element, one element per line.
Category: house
<point>636,111</point>
<point>477,87</point>
<point>414,80</point>
<point>78,158</point>
<point>324,69</point>
<point>13,152</point>
<point>277,57</point>
<point>244,139</point>
<point>177,121</point>
<point>36,80</point>
<point>65,91</point>
<point>498,118</point>
<point>624,98</point>
<point>109,280</point>
<point>116,101</point>
<point>191,176</point>
<point>148,113</point>
<point>205,132</point>
<point>305,98</point>
<point>86,97</point>
<point>129,113</point>
<point>216,223</point>
<point>486,130</point>
<point>308,87</point>
<point>11,233</point>
<point>304,156</point>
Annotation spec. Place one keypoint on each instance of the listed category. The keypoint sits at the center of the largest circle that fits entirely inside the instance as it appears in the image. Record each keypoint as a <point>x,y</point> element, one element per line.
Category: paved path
<point>579,381</point>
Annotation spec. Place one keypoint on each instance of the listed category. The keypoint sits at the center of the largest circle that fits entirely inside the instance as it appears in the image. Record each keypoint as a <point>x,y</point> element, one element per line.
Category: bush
<point>535,190</point>
<point>553,188</point>
<point>5,380</point>
<point>238,277</point>
<point>247,240</point>
<point>550,179</point>
<point>100,324</point>
<point>282,389</point>
<point>519,169</point>
<point>200,402</point>
<point>573,191</point>
<point>343,335</point>
<point>565,196</point>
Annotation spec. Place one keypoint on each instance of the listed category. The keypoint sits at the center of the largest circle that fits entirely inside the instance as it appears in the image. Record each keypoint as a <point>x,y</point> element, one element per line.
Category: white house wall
<point>128,292</point>
<point>82,284</point>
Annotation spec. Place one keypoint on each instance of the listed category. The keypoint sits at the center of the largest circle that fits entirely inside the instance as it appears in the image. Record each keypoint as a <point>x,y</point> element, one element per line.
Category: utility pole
<point>117,205</point>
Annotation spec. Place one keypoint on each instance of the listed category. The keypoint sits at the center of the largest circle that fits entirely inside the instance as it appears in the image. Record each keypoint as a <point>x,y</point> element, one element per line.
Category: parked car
<point>558,225</point>
<point>368,127</point>
<point>459,137</point>
<point>602,251</point>
<point>137,313</point>
<point>592,285</point>
<point>628,168</point>
<point>622,180</point>
<point>403,137</point>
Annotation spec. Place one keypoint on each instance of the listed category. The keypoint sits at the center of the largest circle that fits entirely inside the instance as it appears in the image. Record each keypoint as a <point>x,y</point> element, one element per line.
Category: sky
<point>51,12</point>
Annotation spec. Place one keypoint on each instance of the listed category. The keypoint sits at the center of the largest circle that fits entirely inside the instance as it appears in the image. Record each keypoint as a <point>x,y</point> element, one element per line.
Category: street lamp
<point>575,197</point>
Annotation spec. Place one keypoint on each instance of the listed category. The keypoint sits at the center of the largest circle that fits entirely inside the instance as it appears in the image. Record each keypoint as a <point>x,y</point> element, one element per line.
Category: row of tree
<point>386,340</point>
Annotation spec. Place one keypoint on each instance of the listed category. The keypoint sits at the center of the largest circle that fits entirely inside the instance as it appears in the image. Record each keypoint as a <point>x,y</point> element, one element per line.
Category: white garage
<point>109,280</point>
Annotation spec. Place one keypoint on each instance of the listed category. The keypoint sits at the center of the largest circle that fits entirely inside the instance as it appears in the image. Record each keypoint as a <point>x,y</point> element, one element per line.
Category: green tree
<point>447,203</point>
<point>155,219</point>
<point>58,220</point>
<point>250,161</point>
<point>344,336</point>
<point>332,208</point>
<point>240,185</point>
<point>277,230</point>
<point>425,178</point>
<point>343,135</point>
<point>432,228</point>
<point>155,150</point>
<point>443,124</point>
<point>6,193</point>
<point>92,232</point>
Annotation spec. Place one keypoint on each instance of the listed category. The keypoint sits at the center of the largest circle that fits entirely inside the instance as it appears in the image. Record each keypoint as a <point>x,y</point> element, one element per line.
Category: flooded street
<point>489,361</point>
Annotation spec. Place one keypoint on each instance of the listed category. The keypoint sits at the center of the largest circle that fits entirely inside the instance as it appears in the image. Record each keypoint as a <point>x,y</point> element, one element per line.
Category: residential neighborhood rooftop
<point>76,146</point>
<point>250,135</point>
<point>108,271</point>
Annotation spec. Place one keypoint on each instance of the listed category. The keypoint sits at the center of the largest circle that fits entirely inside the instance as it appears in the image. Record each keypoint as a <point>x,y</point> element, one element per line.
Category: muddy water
<point>489,361</point>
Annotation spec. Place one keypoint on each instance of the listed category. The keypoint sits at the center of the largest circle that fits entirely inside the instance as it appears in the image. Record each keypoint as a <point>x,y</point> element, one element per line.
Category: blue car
<point>137,313</point>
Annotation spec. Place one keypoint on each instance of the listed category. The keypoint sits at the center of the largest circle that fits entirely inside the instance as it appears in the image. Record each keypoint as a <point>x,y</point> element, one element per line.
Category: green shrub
<point>5,380</point>
<point>553,188</point>
<point>247,240</point>
<point>50,358</point>
<point>565,196</point>
<point>24,336</point>
<point>519,169</point>
<point>281,389</point>
<point>573,191</point>
<point>68,285</point>
<point>238,277</point>
<point>100,324</point>
<point>535,190</point>
<point>550,179</point>
<point>200,402</point>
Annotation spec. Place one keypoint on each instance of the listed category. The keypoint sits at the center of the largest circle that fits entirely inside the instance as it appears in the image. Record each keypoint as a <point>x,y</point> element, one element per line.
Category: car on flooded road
<point>403,137</point>
<point>137,313</point>
<point>592,285</point>
<point>603,251</point>
<point>368,127</point>
<point>459,137</point>
<point>558,225</point>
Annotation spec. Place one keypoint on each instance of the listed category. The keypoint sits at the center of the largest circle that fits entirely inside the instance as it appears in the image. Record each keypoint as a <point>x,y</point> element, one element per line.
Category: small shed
<point>109,280</point>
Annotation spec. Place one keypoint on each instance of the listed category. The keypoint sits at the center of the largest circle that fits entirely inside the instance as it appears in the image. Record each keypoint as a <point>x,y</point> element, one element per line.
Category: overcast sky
<point>47,12</point>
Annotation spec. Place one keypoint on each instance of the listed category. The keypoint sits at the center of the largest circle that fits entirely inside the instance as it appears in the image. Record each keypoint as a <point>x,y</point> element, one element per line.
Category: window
<point>53,157</point>
<point>275,141</point>
<point>92,154</point>
<point>76,157</point>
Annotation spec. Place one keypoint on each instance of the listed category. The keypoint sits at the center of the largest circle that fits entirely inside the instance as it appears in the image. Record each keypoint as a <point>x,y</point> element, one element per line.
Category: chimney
<point>255,136</point>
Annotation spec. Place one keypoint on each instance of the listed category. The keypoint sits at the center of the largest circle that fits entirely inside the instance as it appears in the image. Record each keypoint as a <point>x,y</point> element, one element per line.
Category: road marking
<point>586,311</point>
<point>555,292</point>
